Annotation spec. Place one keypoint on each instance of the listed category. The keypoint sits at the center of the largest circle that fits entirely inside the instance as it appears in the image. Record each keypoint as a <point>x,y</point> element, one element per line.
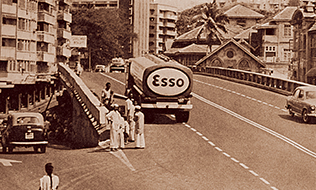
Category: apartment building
<point>28,35</point>
<point>64,18</point>
<point>18,37</point>
<point>162,27</point>
<point>96,4</point>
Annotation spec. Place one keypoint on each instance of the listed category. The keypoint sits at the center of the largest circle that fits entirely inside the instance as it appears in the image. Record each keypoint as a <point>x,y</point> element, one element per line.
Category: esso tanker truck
<point>160,85</point>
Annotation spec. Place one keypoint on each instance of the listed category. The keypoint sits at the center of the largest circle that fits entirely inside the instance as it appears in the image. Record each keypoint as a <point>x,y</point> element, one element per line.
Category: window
<point>244,65</point>
<point>287,54</point>
<point>313,45</point>
<point>230,54</point>
<point>270,31</point>
<point>287,30</point>
<point>7,42</point>
<point>9,21</point>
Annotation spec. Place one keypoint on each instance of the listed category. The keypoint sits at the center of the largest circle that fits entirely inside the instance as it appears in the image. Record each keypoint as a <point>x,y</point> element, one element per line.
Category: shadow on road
<point>296,119</point>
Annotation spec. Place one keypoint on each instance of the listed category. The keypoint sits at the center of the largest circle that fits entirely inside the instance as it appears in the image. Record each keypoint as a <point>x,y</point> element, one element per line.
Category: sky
<point>183,4</point>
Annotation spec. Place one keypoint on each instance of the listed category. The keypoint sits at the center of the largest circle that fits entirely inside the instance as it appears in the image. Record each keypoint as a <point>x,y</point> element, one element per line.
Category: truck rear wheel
<point>149,117</point>
<point>182,116</point>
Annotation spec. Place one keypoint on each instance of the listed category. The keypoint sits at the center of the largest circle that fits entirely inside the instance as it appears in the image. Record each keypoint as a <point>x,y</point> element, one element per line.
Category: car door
<point>300,101</point>
<point>293,102</point>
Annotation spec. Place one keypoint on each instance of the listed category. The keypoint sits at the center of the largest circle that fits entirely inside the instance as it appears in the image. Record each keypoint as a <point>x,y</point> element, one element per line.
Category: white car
<point>99,68</point>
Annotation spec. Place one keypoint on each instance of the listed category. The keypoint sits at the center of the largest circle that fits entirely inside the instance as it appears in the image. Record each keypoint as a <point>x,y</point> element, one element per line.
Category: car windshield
<point>23,120</point>
<point>311,95</point>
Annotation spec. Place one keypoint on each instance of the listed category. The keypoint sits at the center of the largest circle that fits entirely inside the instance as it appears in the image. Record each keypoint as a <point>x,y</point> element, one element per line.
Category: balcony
<point>46,17</point>
<point>170,25</point>
<point>23,14</point>
<point>170,33</point>
<point>45,57</point>
<point>63,15</point>
<point>22,34</point>
<point>7,52</point>
<point>11,9</point>
<point>45,37</point>
<point>270,38</point>
<point>63,51</point>
<point>63,33</point>
<point>8,30</point>
<point>68,2</point>
<point>20,55</point>
<point>51,2</point>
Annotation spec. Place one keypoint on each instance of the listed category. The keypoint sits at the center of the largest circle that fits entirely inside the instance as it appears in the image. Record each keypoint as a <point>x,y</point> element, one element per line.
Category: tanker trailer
<point>160,86</point>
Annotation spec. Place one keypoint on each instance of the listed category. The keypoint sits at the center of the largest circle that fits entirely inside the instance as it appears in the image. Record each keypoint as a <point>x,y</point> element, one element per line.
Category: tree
<point>212,21</point>
<point>108,32</point>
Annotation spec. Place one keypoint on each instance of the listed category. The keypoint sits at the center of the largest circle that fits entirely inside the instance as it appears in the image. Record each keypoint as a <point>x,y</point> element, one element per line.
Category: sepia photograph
<point>157,94</point>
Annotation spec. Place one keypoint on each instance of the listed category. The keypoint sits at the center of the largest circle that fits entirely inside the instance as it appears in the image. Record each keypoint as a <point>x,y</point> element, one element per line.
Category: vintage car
<point>100,68</point>
<point>302,102</point>
<point>24,129</point>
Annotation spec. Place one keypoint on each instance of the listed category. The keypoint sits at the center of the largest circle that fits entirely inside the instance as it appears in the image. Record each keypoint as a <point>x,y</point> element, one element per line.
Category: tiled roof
<point>232,30</point>
<point>245,34</point>
<point>193,48</point>
<point>238,45</point>
<point>285,15</point>
<point>192,34</point>
<point>240,11</point>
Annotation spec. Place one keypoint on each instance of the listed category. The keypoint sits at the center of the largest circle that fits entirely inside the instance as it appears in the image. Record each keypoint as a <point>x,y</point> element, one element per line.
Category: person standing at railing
<point>107,96</point>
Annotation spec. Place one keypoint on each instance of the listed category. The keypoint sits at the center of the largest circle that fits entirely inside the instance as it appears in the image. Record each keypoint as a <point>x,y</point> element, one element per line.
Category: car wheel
<point>305,117</point>
<point>4,149</point>
<point>291,112</point>
<point>35,148</point>
<point>10,149</point>
<point>43,149</point>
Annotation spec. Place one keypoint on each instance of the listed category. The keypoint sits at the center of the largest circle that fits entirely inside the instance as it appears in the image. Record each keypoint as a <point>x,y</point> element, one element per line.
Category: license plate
<point>29,135</point>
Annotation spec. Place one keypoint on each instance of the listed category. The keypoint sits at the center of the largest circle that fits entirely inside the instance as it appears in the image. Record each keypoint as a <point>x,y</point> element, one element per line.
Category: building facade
<point>162,27</point>
<point>29,37</point>
<point>275,37</point>
<point>96,4</point>
<point>304,43</point>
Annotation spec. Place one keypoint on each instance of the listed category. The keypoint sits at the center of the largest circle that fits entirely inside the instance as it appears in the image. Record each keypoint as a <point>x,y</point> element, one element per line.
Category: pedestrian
<point>130,111</point>
<point>121,142</point>
<point>139,127</point>
<point>114,118</point>
<point>126,130</point>
<point>49,181</point>
<point>107,95</point>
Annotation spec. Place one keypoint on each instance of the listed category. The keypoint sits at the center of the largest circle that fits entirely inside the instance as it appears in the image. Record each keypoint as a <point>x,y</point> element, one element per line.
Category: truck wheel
<point>149,117</point>
<point>182,116</point>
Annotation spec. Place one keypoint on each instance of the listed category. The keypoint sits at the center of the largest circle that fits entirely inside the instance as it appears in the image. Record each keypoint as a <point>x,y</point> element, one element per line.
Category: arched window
<point>244,65</point>
<point>216,63</point>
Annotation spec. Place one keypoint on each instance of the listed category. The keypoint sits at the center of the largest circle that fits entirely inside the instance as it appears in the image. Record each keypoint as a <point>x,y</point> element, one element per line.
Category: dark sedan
<point>302,102</point>
<point>24,129</point>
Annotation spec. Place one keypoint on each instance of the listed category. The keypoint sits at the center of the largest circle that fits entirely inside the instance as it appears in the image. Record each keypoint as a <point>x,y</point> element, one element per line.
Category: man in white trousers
<point>114,118</point>
<point>139,127</point>
<point>130,111</point>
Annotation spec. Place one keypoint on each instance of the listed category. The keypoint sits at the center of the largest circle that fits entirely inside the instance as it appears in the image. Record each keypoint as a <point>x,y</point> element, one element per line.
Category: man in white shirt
<point>139,127</point>
<point>49,181</point>
<point>114,117</point>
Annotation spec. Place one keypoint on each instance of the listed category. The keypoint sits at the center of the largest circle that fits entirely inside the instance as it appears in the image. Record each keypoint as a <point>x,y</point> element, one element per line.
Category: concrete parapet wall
<point>275,84</point>
<point>91,102</point>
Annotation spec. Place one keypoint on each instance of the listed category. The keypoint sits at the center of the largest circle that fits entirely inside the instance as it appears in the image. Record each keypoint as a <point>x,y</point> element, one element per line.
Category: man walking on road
<point>49,181</point>
<point>114,118</point>
<point>139,126</point>
<point>130,111</point>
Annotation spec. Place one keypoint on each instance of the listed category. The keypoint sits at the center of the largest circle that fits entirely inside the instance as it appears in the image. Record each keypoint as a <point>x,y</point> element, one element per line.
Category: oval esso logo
<point>168,81</point>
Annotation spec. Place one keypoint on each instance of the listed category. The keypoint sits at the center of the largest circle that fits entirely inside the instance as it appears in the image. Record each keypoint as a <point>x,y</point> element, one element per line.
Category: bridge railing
<point>268,82</point>
<point>90,102</point>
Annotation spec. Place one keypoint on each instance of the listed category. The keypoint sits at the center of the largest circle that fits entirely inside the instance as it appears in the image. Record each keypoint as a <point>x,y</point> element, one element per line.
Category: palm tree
<point>212,21</point>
